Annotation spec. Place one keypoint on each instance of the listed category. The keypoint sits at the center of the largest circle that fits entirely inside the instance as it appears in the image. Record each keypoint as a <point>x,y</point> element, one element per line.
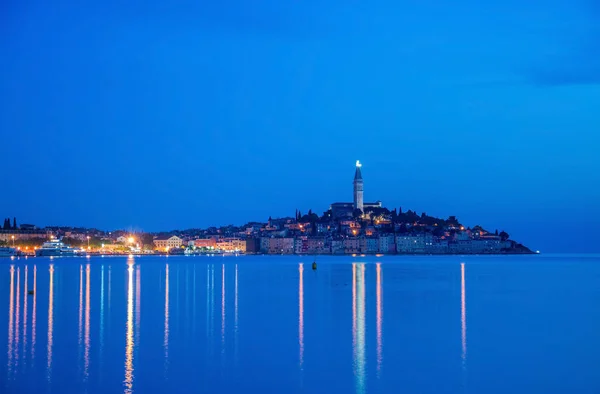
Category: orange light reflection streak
<point>128,381</point>
<point>25,314</point>
<point>301,312</point>
<point>50,321</point>
<point>10,318</point>
<point>463,313</point>
<point>223,309</point>
<point>379,320</point>
<point>166,339</point>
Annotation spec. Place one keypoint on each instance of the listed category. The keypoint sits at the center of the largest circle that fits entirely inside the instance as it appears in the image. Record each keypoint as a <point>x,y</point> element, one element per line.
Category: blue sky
<point>157,116</point>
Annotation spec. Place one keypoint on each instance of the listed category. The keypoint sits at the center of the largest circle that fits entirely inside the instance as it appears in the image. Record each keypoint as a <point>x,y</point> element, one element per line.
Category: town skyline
<point>346,227</point>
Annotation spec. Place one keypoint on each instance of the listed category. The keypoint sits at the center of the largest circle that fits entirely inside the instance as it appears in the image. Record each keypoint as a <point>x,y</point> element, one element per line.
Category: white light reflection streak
<point>301,313</point>
<point>138,314</point>
<point>358,291</point>
<point>166,339</point>
<point>17,319</point>
<point>33,313</point>
<point>80,337</point>
<point>379,320</point>
<point>10,318</point>
<point>463,314</point>
<point>25,314</point>
<point>128,381</point>
<point>101,313</point>
<point>236,313</point>
<point>207,297</point>
<point>50,322</point>
<point>223,309</point>
<point>212,305</point>
<point>86,354</point>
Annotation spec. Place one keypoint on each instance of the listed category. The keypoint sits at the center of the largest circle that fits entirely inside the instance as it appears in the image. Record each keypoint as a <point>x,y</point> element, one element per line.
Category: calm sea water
<point>471,324</point>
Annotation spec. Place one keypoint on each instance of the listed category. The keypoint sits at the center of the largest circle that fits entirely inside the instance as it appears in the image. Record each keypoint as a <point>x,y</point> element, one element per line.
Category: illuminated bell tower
<point>358,187</point>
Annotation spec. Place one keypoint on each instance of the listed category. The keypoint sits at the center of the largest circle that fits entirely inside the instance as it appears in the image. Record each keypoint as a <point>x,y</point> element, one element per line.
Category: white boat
<point>7,252</point>
<point>56,247</point>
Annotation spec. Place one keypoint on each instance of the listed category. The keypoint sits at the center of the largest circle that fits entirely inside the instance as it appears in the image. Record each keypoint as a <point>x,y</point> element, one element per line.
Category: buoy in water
<point>314,265</point>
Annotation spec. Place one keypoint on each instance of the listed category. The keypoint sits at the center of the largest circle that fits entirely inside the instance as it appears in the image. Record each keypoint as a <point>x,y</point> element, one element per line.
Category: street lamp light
<point>13,239</point>
<point>88,238</point>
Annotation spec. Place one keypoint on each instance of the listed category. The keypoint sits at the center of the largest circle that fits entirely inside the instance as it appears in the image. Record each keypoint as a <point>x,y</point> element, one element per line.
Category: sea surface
<point>271,324</point>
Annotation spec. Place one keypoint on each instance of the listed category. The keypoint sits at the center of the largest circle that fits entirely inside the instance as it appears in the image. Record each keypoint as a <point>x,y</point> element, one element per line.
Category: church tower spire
<point>358,187</point>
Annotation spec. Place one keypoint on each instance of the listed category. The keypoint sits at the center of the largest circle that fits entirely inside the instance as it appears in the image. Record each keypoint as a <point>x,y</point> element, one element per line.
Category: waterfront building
<point>265,244</point>
<point>301,245</point>
<point>21,235</point>
<point>168,242</point>
<point>231,245</point>
<point>387,244</point>
<point>337,246</point>
<point>372,244</point>
<point>253,245</point>
<point>281,245</point>
<point>352,245</point>
<point>205,242</point>
<point>318,245</point>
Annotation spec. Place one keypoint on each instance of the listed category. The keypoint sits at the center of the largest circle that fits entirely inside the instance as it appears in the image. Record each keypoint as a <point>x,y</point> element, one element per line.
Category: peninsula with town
<point>356,227</point>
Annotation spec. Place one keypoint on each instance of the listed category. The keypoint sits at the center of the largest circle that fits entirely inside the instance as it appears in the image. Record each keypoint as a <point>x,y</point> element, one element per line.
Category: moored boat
<point>7,252</point>
<point>55,248</point>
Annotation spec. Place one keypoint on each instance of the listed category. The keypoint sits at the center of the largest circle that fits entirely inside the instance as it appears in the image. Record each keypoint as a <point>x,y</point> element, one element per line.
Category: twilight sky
<point>156,116</point>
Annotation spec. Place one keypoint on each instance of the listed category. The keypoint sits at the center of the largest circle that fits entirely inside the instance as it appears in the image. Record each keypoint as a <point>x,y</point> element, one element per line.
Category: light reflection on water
<point>285,320</point>
<point>379,319</point>
<point>301,313</point>
<point>25,314</point>
<point>166,334</point>
<point>10,321</point>
<point>463,314</point>
<point>17,320</point>
<point>34,314</point>
<point>50,322</point>
<point>128,381</point>
<point>86,354</point>
<point>358,291</point>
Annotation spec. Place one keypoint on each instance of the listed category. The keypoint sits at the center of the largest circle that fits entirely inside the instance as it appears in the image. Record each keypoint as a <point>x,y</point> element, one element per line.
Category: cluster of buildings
<point>356,227</point>
<point>377,244</point>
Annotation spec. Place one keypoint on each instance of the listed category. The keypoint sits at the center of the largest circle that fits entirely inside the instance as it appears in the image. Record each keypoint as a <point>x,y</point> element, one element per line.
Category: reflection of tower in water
<point>379,320</point>
<point>358,325</point>
<point>128,381</point>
